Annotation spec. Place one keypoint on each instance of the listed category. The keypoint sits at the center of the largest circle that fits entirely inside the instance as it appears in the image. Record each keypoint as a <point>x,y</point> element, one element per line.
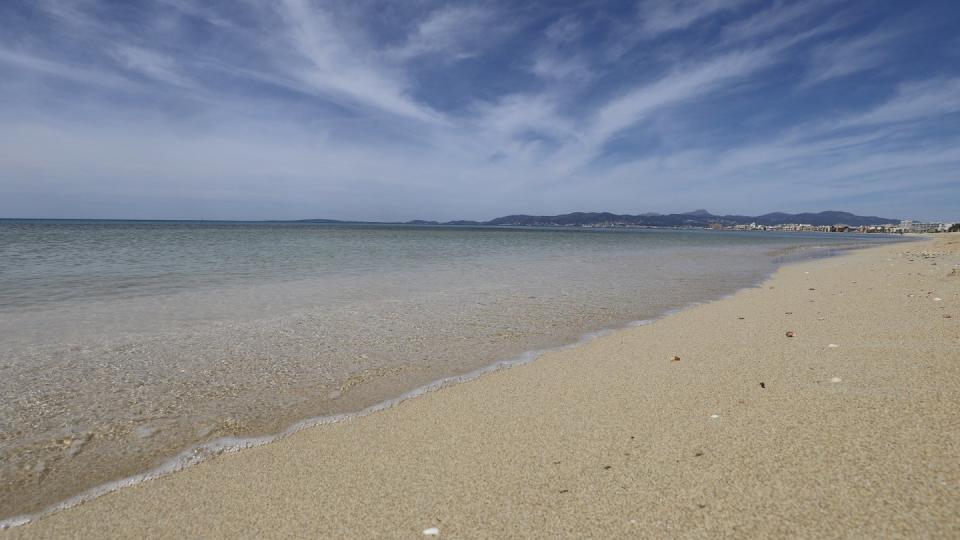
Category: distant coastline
<point>826,221</point>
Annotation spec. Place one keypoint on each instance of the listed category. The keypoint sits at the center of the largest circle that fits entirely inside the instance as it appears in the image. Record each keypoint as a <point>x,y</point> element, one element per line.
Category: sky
<point>419,109</point>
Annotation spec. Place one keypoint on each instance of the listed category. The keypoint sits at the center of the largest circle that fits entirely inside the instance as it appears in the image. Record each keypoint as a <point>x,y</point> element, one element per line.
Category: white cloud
<point>680,85</point>
<point>152,64</point>
<point>661,16</point>
<point>841,58</point>
<point>391,156</point>
<point>64,71</point>
<point>774,19</point>
<point>340,69</point>
<point>452,33</point>
<point>914,101</point>
<point>557,60</point>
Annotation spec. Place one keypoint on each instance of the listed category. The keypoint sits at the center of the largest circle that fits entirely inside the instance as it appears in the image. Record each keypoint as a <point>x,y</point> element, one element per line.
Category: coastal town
<point>904,226</point>
<point>825,221</point>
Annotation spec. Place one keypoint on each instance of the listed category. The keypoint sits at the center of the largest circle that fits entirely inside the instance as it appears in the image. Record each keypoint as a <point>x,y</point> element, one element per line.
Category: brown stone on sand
<point>790,333</point>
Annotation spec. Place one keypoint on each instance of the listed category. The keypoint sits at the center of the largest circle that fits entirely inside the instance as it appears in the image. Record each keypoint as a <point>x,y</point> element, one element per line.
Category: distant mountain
<point>565,220</point>
<point>320,221</point>
<point>701,213</point>
<point>696,218</point>
<point>466,222</point>
<point>830,217</point>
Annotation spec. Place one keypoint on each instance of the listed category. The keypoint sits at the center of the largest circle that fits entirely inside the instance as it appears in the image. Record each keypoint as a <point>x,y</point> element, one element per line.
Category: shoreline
<point>445,388</point>
<point>198,454</point>
<point>194,453</point>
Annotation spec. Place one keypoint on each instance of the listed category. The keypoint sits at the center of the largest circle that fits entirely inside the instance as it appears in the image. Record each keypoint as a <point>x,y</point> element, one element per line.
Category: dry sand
<point>613,438</point>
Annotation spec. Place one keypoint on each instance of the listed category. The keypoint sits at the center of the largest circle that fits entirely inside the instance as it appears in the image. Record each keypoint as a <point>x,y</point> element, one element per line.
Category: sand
<point>750,434</point>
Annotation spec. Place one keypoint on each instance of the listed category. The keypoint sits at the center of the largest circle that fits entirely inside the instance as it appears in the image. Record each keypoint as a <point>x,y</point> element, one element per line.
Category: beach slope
<point>849,428</point>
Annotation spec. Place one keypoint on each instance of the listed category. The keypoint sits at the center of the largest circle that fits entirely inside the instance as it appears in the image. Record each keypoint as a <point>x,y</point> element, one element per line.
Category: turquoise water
<point>49,262</point>
<point>127,342</point>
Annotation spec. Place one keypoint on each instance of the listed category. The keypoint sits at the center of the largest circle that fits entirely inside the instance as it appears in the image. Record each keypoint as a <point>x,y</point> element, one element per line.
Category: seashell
<point>836,380</point>
<point>791,333</point>
<point>432,531</point>
<point>833,345</point>
<point>714,416</point>
<point>675,359</point>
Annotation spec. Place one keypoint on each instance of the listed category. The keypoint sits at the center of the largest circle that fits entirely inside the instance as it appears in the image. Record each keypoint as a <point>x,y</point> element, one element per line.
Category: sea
<point>132,348</point>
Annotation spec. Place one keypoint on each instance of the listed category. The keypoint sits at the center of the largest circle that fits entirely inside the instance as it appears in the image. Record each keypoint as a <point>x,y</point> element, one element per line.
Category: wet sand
<point>749,434</point>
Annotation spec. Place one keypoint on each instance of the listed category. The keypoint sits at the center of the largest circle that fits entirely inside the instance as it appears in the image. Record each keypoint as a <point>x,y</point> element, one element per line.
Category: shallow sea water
<point>124,343</point>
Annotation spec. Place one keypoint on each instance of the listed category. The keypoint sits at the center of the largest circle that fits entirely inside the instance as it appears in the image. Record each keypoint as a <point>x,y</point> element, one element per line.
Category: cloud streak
<point>661,16</point>
<point>469,110</point>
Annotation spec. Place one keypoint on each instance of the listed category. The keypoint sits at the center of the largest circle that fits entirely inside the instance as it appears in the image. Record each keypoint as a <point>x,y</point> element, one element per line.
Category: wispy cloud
<point>152,64</point>
<point>914,101</point>
<point>661,16</point>
<point>336,67</point>
<point>677,86</point>
<point>60,70</point>
<point>774,19</point>
<point>450,34</point>
<point>558,58</point>
<point>844,57</point>
<point>434,110</point>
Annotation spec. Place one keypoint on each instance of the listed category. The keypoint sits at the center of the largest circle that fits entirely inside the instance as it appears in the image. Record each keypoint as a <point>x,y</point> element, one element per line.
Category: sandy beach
<point>710,422</point>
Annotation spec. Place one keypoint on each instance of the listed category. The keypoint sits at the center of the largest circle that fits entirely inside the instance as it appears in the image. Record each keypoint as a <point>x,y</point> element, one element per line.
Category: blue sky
<point>443,110</point>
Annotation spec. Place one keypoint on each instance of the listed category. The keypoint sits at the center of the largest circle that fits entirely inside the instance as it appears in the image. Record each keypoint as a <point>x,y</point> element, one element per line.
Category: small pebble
<point>675,359</point>
<point>836,380</point>
<point>714,416</point>
<point>791,333</point>
<point>432,531</point>
<point>937,299</point>
<point>833,345</point>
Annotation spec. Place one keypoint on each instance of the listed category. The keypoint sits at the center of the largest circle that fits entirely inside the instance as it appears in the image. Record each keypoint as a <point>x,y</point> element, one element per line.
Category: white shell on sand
<point>432,531</point>
<point>937,299</point>
<point>833,345</point>
<point>836,379</point>
<point>714,416</point>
